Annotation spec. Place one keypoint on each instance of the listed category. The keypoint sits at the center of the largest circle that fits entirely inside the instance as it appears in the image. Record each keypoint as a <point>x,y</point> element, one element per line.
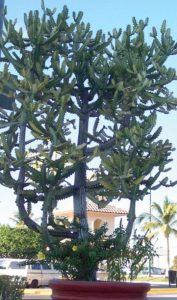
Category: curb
<point>48,291</point>
<point>43,292</point>
<point>162,291</point>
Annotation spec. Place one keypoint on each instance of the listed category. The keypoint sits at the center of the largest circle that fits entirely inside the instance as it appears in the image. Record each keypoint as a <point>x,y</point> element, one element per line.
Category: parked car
<point>36,274</point>
<point>154,271</point>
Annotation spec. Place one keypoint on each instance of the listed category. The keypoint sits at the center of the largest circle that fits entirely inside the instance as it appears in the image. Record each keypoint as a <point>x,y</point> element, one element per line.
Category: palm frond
<point>157,208</point>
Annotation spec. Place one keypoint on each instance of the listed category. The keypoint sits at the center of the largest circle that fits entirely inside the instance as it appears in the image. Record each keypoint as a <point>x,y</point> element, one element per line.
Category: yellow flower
<point>74,248</point>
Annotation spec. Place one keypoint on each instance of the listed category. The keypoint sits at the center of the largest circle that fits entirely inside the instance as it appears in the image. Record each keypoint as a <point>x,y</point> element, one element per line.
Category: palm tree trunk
<point>168,253</point>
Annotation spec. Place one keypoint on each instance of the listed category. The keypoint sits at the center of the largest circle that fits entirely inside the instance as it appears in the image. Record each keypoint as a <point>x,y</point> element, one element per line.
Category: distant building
<point>97,216</point>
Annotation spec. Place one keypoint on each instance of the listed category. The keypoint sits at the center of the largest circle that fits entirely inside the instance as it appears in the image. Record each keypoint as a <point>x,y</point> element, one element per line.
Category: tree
<point>19,223</point>
<point>20,242</point>
<point>163,219</point>
<point>174,266</point>
<point>84,103</point>
<point>17,220</point>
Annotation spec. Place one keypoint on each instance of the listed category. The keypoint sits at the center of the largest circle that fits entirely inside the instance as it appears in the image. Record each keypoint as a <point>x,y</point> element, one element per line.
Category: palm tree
<point>17,220</point>
<point>164,218</point>
<point>19,223</point>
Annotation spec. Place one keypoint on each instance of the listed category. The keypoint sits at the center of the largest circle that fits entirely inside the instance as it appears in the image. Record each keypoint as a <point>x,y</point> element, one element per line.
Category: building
<point>97,216</point>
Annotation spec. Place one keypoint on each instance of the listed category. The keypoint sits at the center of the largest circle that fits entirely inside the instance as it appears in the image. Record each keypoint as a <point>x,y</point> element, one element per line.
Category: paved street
<point>158,291</point>
<point>162,291</point>
<point>36,297</point>
<point>164,297</point>
<point>154,297</point>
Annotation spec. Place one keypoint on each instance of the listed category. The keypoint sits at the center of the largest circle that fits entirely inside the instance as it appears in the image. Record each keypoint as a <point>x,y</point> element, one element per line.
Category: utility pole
<point>150,218</point>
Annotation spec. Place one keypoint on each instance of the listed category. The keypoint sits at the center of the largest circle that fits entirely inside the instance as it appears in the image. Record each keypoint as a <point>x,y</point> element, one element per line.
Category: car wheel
<point>34,284</point>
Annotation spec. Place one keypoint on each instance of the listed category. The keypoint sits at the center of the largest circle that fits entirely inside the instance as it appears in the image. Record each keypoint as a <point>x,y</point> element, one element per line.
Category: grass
<point>152,279</point>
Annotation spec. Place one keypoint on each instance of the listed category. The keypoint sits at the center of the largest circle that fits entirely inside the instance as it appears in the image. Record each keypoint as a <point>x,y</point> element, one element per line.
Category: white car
<point>37,274</point>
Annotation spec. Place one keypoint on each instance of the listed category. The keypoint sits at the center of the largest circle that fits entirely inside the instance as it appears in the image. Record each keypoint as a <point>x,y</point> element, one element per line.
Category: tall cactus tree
<point>84,103</point>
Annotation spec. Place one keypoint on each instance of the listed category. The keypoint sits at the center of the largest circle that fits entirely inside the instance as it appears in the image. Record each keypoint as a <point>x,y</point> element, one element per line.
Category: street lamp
<point>150,213</point>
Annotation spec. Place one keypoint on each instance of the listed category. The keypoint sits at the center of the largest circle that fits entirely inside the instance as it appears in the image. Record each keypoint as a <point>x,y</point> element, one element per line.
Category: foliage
<point>11,288</point>
<point>19,242</point>
<point>80,259</point>
<point>129,260</point>
<point>19,223</point>
<point>174,265</point>
<point>163,219</point>
<point>84,103</point>
<point>77,258</point>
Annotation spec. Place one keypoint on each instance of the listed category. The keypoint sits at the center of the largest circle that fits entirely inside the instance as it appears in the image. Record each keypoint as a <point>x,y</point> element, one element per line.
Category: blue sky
<point>107,15</point>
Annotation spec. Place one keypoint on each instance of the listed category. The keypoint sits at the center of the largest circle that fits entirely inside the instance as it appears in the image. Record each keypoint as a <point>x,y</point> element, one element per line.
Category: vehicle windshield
<point>4,264</point>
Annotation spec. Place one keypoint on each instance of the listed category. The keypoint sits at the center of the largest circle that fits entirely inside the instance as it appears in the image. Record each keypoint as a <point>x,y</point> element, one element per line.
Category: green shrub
<point>174,265</point>
<point>128,261</point>
<point>11,287</point>
<point>78,259</point>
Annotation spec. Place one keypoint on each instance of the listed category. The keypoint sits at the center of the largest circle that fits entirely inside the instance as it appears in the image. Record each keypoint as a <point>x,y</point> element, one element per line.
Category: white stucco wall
<point>111,219</point>
<point>104,217</point>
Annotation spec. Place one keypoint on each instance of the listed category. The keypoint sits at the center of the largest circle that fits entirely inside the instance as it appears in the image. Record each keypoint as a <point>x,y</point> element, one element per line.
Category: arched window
<point>97,224</point>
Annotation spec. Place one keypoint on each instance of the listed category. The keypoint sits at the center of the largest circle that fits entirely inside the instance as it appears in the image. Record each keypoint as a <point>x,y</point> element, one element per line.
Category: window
<point>16,265</point>
<point>36,266</point>
<point>3,264</point>
<point>97,224</point>
<point>46,266</point>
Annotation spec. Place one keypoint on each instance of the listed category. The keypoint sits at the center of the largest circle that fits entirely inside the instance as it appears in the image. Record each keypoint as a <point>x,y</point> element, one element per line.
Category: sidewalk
<point>39,291</point>
<point>162,288</point>
<point>156,288</point>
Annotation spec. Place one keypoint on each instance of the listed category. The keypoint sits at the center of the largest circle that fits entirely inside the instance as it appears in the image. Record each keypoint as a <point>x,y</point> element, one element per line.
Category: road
<point>158,291</point>
<point>164,297</point>
<point>156,297</point>
<point>36,297</point>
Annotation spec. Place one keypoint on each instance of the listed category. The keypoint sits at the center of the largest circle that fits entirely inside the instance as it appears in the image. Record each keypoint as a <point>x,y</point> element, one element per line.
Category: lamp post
<point>150,212</point>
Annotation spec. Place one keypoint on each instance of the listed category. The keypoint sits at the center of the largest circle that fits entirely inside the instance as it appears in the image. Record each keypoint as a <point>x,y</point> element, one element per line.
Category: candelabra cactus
<point>83,102</point>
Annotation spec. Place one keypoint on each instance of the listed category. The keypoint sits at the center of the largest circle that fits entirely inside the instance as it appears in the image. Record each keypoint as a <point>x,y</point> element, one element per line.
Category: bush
<point>79,258</point>
<point>127,261</point>
<point>174,266</point>
<point>11,287</point>
<point>14,240</point>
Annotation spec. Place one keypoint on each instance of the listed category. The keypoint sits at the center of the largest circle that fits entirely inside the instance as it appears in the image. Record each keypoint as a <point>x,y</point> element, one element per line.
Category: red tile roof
<point>91,206</point>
